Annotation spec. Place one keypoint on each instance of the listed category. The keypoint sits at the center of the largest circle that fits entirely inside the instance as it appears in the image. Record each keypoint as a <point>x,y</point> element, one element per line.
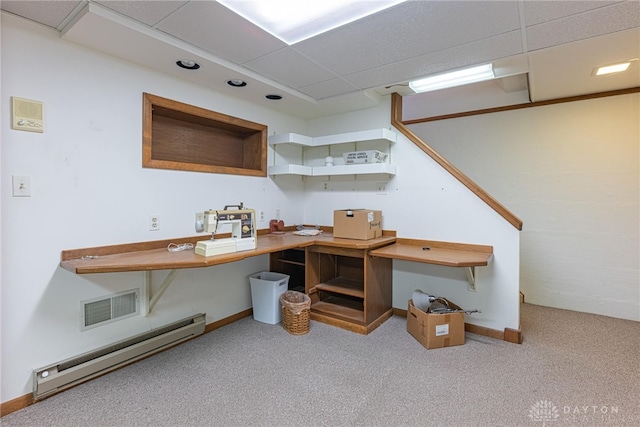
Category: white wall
<point>570,172</point>
<point>89,189</point>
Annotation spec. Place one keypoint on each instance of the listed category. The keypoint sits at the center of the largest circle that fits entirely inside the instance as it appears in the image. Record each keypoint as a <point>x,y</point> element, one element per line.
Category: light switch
<point>21,186</point>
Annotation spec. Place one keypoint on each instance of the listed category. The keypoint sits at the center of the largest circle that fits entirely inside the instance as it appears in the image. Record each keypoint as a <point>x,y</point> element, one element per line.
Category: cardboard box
<point>361,224</point>
<point>435,330</point>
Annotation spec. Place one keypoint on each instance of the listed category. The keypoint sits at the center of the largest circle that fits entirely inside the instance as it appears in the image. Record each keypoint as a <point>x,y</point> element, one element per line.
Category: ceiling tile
<point>328,89</point>
<point>567,70</point>
<point>51,13</point>
<point>606,20</point>
<point>408,30</point>
<point>482,51</point>
<point>212,27</point>
<point>149,12</point>
<point>289,67</point>
<point>537,12</point>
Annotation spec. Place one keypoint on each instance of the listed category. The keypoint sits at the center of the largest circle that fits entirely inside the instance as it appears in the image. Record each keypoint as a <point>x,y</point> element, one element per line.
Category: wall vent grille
<point>103,310</point>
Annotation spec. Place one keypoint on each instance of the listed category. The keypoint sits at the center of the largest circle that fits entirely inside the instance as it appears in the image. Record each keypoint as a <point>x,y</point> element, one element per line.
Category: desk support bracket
<point>471,278</point>
<point>152,300</point>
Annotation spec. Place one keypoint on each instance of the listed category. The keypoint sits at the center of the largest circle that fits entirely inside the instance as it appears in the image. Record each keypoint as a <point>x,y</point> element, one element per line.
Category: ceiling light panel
<point>614,68</point>
<point>293,20</point>
<point>453,79</point>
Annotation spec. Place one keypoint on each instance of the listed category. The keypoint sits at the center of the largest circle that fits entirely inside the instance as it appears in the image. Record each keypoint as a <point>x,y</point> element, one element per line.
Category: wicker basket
<point>296,307</point>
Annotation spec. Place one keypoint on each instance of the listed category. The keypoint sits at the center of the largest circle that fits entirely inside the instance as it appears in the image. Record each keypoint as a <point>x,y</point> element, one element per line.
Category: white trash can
<point>266,288</point>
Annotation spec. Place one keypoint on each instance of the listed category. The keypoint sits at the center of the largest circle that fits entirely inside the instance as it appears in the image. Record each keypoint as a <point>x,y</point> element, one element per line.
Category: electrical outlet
<point>277,213</point>
<point>381,188</point>
<point>21,186</point>
<point>261,216</point>
<point>154,222</point>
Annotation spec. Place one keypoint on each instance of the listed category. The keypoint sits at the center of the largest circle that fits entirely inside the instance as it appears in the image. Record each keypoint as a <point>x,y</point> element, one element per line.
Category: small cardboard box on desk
<point>435,330</point>
<point>360,224</point>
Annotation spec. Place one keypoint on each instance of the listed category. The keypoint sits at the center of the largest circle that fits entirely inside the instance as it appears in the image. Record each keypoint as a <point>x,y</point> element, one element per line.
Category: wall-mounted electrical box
<point>27,114</point>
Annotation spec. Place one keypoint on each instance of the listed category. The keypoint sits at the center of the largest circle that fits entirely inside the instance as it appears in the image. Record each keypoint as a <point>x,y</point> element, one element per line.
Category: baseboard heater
<point>68,373</point>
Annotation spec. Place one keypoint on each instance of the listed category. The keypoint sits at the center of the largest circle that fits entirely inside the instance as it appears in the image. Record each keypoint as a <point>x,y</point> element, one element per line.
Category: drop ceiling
<point>541,50</point>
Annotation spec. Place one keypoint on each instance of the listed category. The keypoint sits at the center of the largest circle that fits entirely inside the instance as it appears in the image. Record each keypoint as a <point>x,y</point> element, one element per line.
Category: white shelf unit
<point>306,165</point>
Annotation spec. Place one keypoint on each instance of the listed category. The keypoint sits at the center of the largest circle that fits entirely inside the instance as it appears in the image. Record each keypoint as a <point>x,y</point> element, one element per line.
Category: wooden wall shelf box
<point>185,137</point>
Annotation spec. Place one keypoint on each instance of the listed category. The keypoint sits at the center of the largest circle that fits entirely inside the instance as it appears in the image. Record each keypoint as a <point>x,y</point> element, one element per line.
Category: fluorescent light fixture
<point>455,78</point>
<point>295,20</point>
<point>614,68</point>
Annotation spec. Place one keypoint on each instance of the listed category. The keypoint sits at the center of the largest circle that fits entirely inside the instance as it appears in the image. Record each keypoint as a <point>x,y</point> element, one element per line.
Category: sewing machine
<point>243,231</point>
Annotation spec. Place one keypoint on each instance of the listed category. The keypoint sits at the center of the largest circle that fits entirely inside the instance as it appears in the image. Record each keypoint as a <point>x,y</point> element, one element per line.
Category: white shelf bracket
<point>153,299</point>
<point>471,278</point>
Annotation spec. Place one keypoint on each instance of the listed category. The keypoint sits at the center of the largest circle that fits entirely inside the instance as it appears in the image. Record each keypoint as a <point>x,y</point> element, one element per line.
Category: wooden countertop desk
<point>148,256</point>
<point>154,255</point>
<point>435,252</point>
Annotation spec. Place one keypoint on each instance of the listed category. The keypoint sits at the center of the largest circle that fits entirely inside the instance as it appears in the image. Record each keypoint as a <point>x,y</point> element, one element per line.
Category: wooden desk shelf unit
<point>292,263</point>
<point>348,287</point>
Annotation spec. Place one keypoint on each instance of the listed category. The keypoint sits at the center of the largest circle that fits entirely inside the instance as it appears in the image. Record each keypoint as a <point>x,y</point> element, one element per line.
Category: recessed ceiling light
<point>273,97</point>
<point>613,68</point>
<point>454,78</point>
<point>236,83</point>
<point>187,64</point>
<point>295,20</point>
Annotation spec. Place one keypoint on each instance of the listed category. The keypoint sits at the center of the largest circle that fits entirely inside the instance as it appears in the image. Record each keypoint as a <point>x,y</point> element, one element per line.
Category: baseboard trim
<point>22,402</point>
<point>16,404</point>
<point>399,312</point>
<point>513,335</point>
<point>509,335</point>
<point>227,320</point>
<point>487,332</point>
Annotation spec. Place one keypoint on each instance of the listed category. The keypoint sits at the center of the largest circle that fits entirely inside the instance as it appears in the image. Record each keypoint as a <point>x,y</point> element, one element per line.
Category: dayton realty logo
<point>590,414</point>
<point>544,411</point>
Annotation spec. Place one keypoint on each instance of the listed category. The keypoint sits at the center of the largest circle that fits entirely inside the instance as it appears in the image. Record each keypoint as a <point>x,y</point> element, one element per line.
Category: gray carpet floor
<point>572,369</point>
